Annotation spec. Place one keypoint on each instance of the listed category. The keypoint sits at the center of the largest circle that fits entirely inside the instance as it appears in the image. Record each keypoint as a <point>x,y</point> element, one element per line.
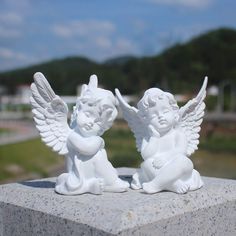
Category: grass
<point>32,157</point>
<point>121,150</point>
<point>219,143</point>
<point>216,164</point>
<point>4,131</point>
<point>216,157</point>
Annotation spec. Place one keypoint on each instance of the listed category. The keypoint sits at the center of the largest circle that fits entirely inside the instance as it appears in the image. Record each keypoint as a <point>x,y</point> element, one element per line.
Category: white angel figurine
<point>88,169</point>
<point>166,136</point>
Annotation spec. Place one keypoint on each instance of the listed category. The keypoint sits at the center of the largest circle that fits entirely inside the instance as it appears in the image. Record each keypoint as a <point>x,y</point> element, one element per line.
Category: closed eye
<point>153,116</point>
<point>87,114</point>
<point>165,111</point>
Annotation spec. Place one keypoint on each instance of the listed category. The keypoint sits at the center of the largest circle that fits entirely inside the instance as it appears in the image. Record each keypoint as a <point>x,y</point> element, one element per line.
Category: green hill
<point>181,67</point>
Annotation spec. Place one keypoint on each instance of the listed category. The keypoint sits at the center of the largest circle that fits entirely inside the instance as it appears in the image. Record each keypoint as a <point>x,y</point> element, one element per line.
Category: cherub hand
<point>153,131</point>
<point>159,162</point>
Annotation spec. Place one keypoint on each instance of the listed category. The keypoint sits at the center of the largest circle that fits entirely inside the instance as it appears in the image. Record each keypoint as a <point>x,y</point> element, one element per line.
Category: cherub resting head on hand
<point>95,110</point>
<point>159,110</point>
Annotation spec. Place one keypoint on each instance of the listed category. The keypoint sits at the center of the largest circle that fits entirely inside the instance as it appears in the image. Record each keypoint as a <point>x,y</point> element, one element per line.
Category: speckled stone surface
<point>33,208</point>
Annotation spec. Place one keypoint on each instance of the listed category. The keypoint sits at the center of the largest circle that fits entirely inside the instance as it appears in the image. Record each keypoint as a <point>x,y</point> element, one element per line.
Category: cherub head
<point>95,110</point>
<point>159,109</point>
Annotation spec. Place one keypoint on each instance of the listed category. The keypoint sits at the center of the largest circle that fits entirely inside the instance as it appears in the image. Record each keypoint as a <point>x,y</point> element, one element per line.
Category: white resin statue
<point>165,136</point>
<point>88,169</point>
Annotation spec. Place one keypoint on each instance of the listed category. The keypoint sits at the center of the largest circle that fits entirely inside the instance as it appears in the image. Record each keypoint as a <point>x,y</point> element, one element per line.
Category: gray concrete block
<point>33,208</point>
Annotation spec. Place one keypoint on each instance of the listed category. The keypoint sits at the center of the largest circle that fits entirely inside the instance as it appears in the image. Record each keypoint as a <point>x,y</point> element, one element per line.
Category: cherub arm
<point>181,143</point>
<point>149,149</point>
<point>85,146</point>
<point>160,159</point>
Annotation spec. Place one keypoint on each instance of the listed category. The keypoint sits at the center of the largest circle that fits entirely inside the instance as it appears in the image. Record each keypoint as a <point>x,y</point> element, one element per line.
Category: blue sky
<point>36,31</point>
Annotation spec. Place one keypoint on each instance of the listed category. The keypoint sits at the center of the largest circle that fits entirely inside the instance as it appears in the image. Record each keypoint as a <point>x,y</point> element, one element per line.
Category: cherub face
<point>161,116</point>
<point>88,121</point>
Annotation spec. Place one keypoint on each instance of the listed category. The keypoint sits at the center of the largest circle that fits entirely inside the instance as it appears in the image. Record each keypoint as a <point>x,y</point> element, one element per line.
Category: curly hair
<point>102,99</point>
<point>151,97</point>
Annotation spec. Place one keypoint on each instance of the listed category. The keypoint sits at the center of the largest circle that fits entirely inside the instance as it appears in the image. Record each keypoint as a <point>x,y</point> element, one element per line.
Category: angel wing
<point>50,114</point>
<point>191,116</point>
<point>134,122</point>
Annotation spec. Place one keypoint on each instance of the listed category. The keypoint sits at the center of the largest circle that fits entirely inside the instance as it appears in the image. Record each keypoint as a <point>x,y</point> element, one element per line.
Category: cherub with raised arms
<point>166,136</point>
<point>88,168</point>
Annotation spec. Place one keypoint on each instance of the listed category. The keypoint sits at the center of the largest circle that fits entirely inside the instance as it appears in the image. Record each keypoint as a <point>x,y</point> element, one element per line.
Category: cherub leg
<point>195,181</point>
<point>179,186</point>
<point>149,172</point>
<point>74,183</point>
<point>94,185</point>
<point>168,174</point>
<point>145,174</point>
<point>187,182</point>
<point>104,170</point>
<point>136,180</point>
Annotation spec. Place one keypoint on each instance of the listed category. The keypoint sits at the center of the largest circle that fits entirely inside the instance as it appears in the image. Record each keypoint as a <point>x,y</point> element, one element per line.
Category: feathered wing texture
<point>50,114</point>
<point>191,116</point>
<point>134,122</point>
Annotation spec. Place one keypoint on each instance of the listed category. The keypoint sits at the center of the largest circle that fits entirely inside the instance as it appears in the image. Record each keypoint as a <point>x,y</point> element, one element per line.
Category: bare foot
<point>96,186</point>
<point>135,184</point>
<point>179,187</point>
<point>118,186</point>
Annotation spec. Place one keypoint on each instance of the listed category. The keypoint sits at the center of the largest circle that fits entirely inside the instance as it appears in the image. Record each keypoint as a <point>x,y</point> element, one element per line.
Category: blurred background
<point>132,45</point>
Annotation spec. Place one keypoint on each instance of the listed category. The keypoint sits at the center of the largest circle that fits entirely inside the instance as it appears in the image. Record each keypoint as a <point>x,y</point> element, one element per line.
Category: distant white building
<point>23,94</point>
<point>213,90</point>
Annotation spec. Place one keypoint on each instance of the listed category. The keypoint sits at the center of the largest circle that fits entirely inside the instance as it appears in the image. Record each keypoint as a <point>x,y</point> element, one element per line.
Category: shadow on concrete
<point>127,178</point>
<point>51,184</point>
<point>39,184</point>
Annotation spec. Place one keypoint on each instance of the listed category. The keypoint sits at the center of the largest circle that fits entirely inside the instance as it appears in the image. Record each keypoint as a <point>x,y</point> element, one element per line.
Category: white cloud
<point>100,48</point>
<point>180,34</point>
<point>184,3</point>
<point>10,18</point>
<point>183,34</point>
<point>8,54</point>
<point>96,39</point>
<point>83,28</point>
<point>124,46</point>
<point>116,47</point>
<point>139,25</point>
<point>11,59</point>
<point>18,5</point>
<point>103,42</point>
<point>6,32</point>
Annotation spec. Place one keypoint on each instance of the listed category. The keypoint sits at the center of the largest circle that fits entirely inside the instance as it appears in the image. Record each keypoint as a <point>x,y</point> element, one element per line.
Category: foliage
<point>215,158</point>
<point>120,146</point>
<point>30,156</point>
<point>4,131</point>
<point>211,102</point>
<point>180,68</point>
<point>219,143</point>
